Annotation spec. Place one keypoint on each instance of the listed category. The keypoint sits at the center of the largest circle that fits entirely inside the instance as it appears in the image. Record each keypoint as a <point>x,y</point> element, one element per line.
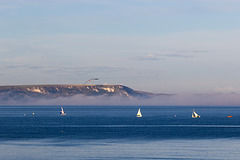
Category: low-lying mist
<point>230,99</point>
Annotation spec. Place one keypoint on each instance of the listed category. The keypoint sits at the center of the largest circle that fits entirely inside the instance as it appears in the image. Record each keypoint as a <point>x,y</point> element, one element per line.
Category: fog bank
<point>230,99</point>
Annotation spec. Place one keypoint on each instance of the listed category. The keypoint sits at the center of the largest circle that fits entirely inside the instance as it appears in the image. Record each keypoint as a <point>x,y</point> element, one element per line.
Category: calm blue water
<point>114,132</point>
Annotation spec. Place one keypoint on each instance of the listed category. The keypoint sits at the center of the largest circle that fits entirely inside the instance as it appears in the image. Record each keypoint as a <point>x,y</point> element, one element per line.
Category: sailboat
<point>139,114</point>
<point>62,112</point>
<point>195,115</point>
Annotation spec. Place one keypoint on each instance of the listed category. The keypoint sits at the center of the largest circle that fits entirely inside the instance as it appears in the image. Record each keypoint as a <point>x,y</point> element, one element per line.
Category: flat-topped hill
<point>19,92</point>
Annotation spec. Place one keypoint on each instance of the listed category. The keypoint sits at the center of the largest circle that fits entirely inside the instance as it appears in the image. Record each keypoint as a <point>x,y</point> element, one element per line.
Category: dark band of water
<point>96,122</point>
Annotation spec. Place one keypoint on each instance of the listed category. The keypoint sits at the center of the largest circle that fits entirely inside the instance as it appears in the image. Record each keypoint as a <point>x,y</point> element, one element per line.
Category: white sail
<point>139,114</point>
<point>62,112</point>
<point>195,115</point>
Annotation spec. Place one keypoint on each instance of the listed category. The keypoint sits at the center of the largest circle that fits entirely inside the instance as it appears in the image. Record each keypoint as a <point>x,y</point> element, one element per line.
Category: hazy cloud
<point>169,54</point>
<point>164,100</point>
<point>85,70</point>
<point>32,67</point>
<point>227,89</point>
<point>149,57</point>
<point>68,41</point>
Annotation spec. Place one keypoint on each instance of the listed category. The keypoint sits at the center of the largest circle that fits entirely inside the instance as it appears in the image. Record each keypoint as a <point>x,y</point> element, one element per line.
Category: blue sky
<point>170,46</point>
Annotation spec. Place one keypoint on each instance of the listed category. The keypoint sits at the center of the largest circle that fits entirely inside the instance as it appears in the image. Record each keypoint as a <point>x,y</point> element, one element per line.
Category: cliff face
<point>54,91</point>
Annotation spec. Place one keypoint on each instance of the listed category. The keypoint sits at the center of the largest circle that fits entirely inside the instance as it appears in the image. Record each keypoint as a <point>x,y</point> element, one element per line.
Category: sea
<point>114,132</point>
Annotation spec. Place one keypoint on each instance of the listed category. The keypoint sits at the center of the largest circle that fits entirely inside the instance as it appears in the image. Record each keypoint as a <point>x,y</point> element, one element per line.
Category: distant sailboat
<point>139,114</point>
<point>195,115</point>
<point>62,112</point>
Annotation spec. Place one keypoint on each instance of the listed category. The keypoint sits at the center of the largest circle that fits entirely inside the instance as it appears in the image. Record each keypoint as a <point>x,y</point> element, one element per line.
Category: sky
<point>160,46</point>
